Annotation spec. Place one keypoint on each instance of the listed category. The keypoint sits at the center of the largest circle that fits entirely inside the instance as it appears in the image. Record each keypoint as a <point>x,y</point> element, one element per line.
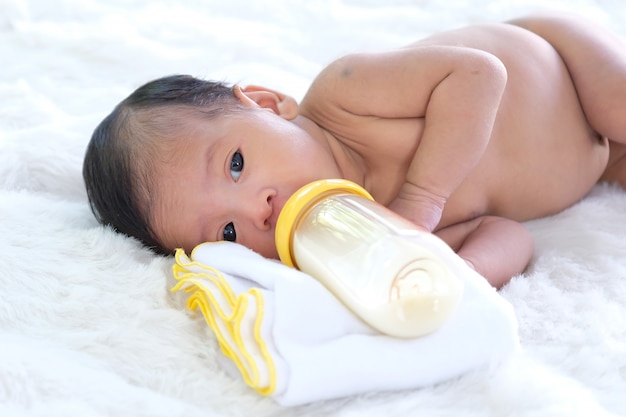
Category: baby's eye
<point>229,232</point>
<point>236,165</point>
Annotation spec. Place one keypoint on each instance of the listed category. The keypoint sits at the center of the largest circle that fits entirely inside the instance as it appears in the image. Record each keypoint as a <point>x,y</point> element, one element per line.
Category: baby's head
<point>184,161</point>
<point>119,166</point>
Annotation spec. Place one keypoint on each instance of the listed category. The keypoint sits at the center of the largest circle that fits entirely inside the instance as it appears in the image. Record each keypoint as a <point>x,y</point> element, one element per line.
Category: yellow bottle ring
<point>296,205</point>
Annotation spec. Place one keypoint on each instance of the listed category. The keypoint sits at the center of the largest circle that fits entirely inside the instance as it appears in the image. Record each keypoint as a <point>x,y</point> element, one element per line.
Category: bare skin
<point>466,133</point>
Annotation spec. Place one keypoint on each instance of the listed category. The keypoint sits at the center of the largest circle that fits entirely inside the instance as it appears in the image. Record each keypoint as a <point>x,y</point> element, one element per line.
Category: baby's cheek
<point>264,245</point>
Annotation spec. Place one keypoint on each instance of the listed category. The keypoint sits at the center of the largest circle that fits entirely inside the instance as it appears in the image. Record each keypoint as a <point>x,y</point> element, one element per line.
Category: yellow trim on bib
<point>235,320</point>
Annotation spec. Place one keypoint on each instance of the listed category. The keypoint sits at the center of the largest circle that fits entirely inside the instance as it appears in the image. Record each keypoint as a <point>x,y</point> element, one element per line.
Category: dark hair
<point>119,157</point>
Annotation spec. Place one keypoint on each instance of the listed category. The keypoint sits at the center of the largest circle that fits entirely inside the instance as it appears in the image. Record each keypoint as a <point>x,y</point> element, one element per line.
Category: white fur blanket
<point>87,326</point>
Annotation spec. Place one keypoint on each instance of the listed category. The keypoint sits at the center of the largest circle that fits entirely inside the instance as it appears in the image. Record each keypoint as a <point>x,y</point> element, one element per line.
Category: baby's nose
<point>262,210</point>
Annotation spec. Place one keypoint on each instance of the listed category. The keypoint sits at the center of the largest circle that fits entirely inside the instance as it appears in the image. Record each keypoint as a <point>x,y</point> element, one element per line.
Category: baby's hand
<point>419,206</point>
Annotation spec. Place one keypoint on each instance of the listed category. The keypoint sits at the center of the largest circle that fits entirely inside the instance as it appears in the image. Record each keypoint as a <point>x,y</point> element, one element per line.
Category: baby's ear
<point>283,105</point>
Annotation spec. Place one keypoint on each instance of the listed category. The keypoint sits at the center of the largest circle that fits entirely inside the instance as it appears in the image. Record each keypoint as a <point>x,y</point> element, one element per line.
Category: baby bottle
<point>400,280</point>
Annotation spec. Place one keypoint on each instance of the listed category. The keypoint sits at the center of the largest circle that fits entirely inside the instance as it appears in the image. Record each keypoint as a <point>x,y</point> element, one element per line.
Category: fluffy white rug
<point>87,327</point>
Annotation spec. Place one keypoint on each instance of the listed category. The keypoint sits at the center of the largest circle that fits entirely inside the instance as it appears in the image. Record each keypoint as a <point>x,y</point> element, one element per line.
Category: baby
<point>466,133</point>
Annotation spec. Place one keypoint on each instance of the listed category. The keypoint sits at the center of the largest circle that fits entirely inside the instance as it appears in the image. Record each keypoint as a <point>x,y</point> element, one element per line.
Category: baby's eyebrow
<point>208,227</point>
<point>210,158</point>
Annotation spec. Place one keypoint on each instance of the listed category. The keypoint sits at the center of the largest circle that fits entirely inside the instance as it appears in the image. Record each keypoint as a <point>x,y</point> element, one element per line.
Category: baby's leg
<point>596,60</point>
<point>496,247</point>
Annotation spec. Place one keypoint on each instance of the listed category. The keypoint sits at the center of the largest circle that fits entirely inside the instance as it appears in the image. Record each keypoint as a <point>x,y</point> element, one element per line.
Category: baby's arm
<point>455,91</point>
<point>496,247</point>
<point>459,118</point>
